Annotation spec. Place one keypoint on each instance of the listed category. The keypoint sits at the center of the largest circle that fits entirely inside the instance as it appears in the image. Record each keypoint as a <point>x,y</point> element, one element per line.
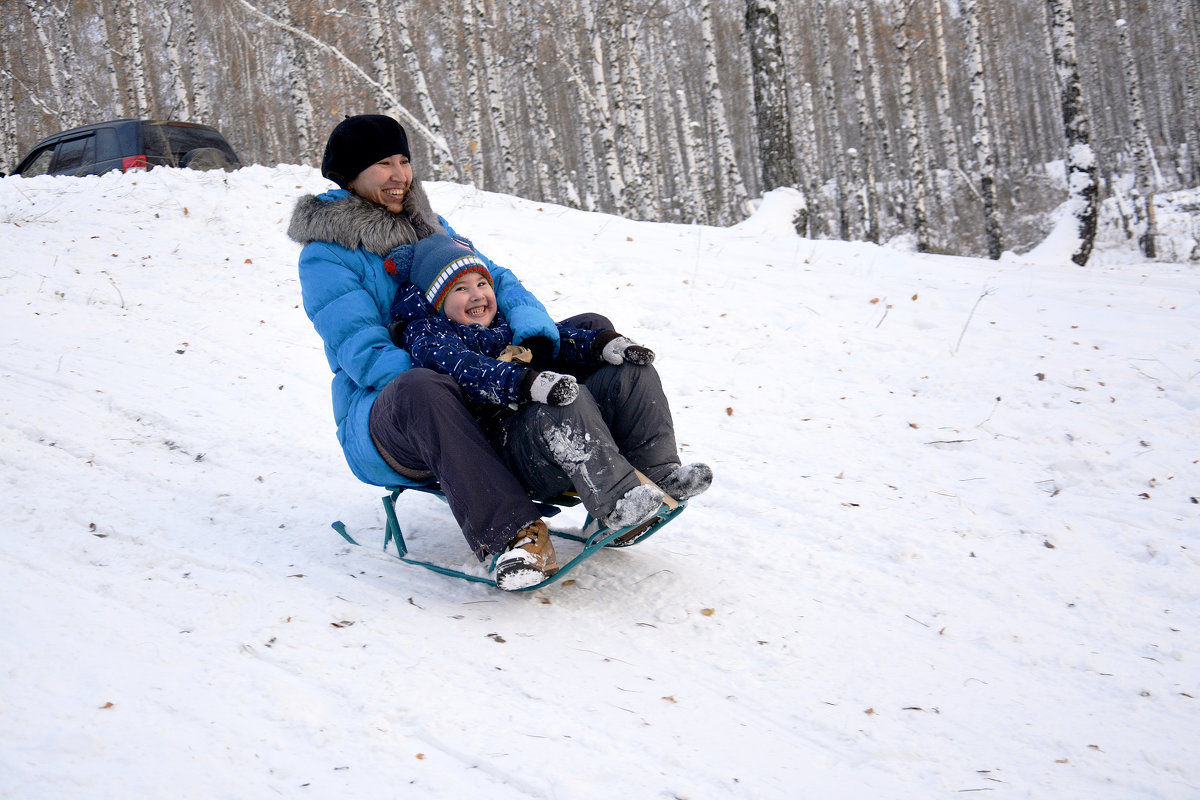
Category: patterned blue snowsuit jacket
<point>468,353</point>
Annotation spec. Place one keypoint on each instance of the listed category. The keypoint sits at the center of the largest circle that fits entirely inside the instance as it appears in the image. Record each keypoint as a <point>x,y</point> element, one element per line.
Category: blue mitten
<point>529,321</point>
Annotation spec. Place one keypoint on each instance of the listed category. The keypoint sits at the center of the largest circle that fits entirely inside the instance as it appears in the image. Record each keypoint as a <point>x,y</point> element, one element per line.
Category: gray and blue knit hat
<point>438,261</point>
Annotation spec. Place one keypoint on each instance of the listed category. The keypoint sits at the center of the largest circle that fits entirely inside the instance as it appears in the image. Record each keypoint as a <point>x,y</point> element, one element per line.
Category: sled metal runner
<point>595,535</point>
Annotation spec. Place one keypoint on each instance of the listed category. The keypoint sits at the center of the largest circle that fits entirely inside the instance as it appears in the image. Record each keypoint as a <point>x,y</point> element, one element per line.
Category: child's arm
<point>434,344</point>
<point>582,347</point>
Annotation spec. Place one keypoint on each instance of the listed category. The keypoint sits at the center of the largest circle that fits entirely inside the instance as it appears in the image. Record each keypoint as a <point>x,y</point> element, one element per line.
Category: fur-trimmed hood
<point>346,219</point>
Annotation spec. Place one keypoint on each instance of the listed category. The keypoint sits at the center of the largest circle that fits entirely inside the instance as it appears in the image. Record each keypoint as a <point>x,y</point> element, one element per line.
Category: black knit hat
<point>358,142</point>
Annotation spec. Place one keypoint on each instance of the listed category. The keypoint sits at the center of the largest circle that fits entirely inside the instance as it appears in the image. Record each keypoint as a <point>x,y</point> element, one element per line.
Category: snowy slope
<point>952,546</point>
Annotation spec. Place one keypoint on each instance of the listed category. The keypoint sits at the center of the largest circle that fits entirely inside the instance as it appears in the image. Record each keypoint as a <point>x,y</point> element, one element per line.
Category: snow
<point>951,545</point>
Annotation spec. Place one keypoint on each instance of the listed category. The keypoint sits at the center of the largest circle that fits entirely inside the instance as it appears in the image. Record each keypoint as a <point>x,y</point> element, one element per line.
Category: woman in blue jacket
<point>398,424</point>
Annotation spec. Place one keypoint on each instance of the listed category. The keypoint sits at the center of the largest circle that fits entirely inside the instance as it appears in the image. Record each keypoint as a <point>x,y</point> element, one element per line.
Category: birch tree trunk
<point>733,194</point>
<point>8,115</point>
<point>379,46</point>
<point>882,138</point>
<point>1189,18</point>
<point>833,119</point>
<point>497,107</point>
<point>1081,160</point>
<point>776,150</point>
<point>912,134</point>
<point>944,107</point>
<point>985,157</point>
<point>138,89</point>
<point>115,107</point>
<point>680,197</point>
<point>53,70</point>
<point>201,99</point>
<point>647,184</point>
<point>307,147</point>
<point>180,106</point>
<point>604,111</point>
<point>695,160</point>
<point>474,99</point>
<point>865,182</point>
<point>1140,144</point>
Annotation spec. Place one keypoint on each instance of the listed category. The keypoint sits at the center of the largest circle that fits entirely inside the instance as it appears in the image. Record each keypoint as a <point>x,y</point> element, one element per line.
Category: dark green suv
<point>127,144</point>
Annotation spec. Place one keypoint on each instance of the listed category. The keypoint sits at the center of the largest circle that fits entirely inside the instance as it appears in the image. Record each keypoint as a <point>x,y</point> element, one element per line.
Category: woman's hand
<point>528,322</point>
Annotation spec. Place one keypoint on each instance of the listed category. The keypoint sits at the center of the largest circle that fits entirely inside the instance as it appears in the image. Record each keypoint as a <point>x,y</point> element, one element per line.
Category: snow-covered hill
<point>952,545</point>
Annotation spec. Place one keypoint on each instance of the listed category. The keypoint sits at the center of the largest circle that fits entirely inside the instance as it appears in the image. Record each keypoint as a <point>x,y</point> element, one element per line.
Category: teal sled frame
<point>596,536</point>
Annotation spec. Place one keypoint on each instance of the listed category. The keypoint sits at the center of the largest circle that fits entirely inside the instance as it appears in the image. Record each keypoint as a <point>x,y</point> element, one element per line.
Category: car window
<point>73,154</point>
<point>173,142</point>
<point>40,164</point>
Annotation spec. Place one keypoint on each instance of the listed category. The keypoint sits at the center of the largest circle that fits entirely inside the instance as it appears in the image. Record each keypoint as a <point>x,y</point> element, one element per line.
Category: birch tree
<point>945,117</point>
<point>1081,160</point>
<point>833,122</point>
<point>138,88</point>
<point>912,133</point>
<point>985,156</point>
<point>201,99</point>
<point>1139,143</point>
<point>179,105</point>
<point>881,136</point>
<point>865,185</point>
<point>776,150</point>
<point>497,107</point>
<point>54,57</point>
<point>298,85</point>
<point>603,110</point>
<point>733,193</point>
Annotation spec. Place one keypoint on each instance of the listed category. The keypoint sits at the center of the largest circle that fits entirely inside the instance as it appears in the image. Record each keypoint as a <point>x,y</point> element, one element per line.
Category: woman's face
<point>385,182</point>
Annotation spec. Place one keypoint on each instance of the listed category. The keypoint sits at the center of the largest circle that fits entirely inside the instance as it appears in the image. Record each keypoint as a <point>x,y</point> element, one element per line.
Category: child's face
<point>471,301</point>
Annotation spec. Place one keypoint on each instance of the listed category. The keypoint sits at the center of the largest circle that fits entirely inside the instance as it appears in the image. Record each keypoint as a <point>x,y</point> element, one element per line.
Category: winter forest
<point>961,124</point>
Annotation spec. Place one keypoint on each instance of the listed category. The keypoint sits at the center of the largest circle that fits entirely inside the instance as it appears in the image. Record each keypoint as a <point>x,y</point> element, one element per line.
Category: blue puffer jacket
<point>347,294</point>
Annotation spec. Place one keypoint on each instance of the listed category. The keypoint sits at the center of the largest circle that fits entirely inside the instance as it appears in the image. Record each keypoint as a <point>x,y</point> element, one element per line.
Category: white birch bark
<point>945,115</point>
<point>497,107</point>
<point>604,112</point>
<point>53,70</point>
<point>307,146</point>
<point>201,98</point>
<point>1188,14</point>
<point>379,47</point>
<point>179,105</point>
<point>1140,143</point>
<point>882,138</point>
<point>1081,160</point>
<point>985,157</point>
<point>776,149</point>
<point>864,180</point>
<point>139,89</point>
<point>912,133</point>
<point>695,162</point>
<point>833,122</point>
<point>647,182</point>
<point>733,196</point>
<point>474,99</point>
<point>111,71</point>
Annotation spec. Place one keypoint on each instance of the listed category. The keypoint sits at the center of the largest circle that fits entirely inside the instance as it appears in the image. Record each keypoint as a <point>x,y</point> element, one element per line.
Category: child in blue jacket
<point>590,417</point>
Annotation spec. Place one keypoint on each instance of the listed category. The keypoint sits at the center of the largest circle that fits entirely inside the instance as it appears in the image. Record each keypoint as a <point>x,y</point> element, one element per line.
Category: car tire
<point>206,158</point>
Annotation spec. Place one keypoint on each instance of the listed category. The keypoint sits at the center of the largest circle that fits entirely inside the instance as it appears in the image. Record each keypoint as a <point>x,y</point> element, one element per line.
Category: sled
<point>594,536</point>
